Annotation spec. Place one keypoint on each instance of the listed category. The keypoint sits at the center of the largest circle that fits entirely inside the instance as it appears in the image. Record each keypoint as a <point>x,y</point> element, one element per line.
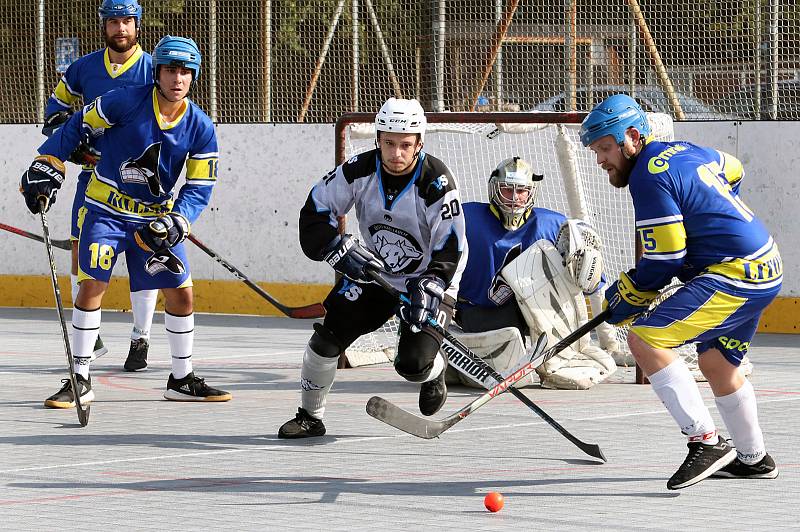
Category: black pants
<point>354,309</point>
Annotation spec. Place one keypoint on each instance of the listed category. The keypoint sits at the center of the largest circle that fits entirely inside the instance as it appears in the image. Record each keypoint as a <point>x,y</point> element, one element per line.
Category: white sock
<point>679,393</point>
<point>316,379</point>
<point>437,368</point>
<point>143,304</point>
<point>180,335</point>
<point>85,328</point>
<point>73,280</point>
<point>740,414</point>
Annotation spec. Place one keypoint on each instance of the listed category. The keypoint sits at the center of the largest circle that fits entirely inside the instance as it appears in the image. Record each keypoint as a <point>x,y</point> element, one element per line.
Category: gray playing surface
<point>149,464</point>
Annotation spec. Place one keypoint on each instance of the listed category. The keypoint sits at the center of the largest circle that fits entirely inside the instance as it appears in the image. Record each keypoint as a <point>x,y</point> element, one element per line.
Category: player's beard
<point>120,48</point>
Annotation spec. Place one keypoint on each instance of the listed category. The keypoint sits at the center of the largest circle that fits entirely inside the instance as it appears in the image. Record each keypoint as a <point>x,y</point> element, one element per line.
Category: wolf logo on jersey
<point>144,169</point>
<point>398,249</point>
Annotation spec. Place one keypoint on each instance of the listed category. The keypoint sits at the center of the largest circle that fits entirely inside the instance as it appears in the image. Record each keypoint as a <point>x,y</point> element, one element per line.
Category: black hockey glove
<point>163,233</point>
<point>85,154</point>
<point>55,121</point>
<point>42,180</point>
<point>425,293</point>
<point>348,257</point>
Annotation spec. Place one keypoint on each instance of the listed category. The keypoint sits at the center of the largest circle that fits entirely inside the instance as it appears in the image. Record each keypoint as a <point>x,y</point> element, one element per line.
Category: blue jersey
<point>143,156</point>
<point>94,75</point>
<point>691,221</point>
<point>493,247</point>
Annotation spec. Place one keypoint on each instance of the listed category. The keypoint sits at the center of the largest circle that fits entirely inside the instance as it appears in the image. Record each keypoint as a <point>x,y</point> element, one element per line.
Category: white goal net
<point>573,183</point>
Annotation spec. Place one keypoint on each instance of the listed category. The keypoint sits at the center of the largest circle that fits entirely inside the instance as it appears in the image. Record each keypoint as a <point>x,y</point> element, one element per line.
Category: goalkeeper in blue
<point>691,224</point>
<point>120,63</point>
<point>147,134</point>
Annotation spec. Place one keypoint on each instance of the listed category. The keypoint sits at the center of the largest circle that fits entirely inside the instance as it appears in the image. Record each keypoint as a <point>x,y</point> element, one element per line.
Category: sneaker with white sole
<point>137,355</point>
<point>764,468</point>
<point>193,388</point>
<point>64,398</point>
<point>99,349</point>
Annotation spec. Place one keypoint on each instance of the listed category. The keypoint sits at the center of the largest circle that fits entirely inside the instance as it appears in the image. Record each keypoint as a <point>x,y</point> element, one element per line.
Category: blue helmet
<point>178,51</point>
<point>614,116</point>
<point>120,8</point>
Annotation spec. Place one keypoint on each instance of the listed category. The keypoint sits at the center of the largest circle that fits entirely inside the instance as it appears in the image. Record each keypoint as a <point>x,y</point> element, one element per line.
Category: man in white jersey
<point>412,229</point>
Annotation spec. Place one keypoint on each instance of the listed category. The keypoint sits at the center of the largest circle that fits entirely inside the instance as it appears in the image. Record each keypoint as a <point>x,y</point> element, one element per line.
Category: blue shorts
<point>77,204</point>
<point>104,237</point>
<point>709,312</point>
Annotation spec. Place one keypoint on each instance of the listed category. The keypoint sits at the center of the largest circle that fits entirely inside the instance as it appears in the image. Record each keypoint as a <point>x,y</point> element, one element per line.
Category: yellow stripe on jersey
<point>731,167</point>
<point>708,316</point>
<point>661,240</point>
<point>202,170</point>
<point>64,95</point>
<point>163,124</point>
<point>137,53</point>
<point>766,268</point>
<point>122,203</point>
<point>93,117</point>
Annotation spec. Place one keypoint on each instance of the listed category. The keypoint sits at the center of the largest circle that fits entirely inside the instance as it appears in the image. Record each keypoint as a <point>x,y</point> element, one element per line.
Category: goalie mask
<point>512,192</point>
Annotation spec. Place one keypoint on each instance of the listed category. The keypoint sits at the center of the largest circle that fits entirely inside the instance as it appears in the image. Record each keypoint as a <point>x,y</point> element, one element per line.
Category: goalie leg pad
<point>502,349</point>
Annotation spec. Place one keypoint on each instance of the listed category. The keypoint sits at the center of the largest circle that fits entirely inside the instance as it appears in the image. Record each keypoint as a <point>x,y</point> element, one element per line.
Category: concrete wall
<point>267,170</point>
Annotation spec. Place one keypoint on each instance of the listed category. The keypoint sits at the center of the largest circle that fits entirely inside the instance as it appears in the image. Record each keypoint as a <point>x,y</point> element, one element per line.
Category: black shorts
<point>354,309</point>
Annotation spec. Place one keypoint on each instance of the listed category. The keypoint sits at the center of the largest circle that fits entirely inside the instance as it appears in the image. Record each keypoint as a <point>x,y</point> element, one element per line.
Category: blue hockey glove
<point>425,293</point>
<point>626,300</point>
<point>348,257</point>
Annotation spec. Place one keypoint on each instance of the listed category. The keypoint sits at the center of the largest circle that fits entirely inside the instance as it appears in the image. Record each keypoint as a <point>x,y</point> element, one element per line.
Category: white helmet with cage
<point>508,183</point>
<point>401,116</point>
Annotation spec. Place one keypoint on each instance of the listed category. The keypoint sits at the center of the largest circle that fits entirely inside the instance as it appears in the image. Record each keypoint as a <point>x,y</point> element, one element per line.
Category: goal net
<point>472,144</point>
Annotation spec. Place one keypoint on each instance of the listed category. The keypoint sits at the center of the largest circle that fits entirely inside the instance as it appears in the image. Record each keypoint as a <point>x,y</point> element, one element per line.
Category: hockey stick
<point>463,364</point>
<point>60,244</point>
<point>315,310</point>
<point>83,412</point>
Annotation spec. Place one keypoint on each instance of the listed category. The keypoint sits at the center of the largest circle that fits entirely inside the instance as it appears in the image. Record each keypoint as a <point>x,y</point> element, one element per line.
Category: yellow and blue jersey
<point>94,75</point>
<point>691,221</point>
<point>143,156</point>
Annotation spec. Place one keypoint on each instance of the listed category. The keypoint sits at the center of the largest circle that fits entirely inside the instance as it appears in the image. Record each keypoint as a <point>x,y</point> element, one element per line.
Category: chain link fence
<point>313,60</point>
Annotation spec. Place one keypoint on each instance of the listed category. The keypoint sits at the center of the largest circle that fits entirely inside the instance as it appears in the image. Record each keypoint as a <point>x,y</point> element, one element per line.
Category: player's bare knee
<point>324,343</point>
<point>179,301</point>
<point>90,294</point>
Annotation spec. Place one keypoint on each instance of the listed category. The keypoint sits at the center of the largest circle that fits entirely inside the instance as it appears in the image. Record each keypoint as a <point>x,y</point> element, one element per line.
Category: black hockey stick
<point>537,358</point>
<point>83,411</point>
<point>60,244</point>
<point>315,310</point>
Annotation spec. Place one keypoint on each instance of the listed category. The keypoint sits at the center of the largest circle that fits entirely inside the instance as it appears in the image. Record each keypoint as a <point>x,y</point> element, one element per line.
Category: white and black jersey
<point>413,222</point>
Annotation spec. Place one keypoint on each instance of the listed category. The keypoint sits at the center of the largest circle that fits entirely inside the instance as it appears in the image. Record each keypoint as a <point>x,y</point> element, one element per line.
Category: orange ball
<point>493,501</point>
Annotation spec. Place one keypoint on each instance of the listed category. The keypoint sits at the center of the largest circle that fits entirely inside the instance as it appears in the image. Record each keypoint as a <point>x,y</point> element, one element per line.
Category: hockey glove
<point>348,257</point>
<point>42,180</point>
<point>85,154</point>
<point>164,260</point>
<point>626,300</point>
<point>55,121</point>
<point>163,233</point>
<point>425,293</point>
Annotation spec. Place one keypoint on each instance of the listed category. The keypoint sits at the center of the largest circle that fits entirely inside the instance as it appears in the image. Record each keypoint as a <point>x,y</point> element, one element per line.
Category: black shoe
<point>764,468</point>
<point>432,395</point>
<point>304,425</point>
<point>703,461</point>
<point>99,348</point>
<point>192,388</point>
<point>64,398</point>
<point>137,355</point>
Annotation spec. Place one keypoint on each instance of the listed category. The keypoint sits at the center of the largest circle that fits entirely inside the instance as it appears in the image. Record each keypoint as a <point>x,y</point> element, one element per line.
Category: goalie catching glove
<point>579,245</point>
<point>626,300</point>
<point>42,180</point>
<point>347,256</point>
<point>425,293</point>
<point>158,237</point>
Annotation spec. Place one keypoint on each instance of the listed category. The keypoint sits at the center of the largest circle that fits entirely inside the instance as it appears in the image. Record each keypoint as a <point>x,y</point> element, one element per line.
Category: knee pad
<point>325,343</point>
